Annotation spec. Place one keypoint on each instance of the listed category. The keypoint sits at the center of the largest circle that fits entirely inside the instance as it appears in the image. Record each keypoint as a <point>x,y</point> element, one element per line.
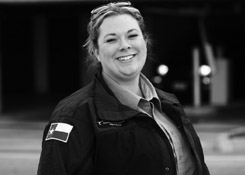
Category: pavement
<point>221,131</point>
<point>222,134</point>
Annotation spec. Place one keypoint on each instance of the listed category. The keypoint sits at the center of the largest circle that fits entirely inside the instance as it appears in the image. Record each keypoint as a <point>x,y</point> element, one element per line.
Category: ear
<point>96,53</point>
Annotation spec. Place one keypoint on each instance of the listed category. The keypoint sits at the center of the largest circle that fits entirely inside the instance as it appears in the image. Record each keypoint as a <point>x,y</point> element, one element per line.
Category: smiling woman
<point>121,48</point>
<point>120,123</point>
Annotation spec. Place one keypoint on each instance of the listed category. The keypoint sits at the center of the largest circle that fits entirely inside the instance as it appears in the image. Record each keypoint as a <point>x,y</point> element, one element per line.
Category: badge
<point>59,131</point>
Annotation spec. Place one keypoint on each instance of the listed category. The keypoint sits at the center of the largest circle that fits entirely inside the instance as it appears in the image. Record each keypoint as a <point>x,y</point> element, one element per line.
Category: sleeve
<point>69,155</point>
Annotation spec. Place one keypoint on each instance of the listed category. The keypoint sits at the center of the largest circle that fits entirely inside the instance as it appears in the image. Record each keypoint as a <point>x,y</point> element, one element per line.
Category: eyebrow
<point>131,30</point>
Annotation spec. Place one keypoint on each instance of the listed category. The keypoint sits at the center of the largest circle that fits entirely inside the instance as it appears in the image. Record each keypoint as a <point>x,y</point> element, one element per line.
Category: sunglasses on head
<point>95,13</point>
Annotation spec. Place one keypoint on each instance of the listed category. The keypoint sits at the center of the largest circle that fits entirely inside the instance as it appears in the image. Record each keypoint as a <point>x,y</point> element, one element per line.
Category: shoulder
<point>68,106</point>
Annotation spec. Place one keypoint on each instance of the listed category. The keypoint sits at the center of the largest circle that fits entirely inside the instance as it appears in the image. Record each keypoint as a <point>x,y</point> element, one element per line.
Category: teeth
<point>125,58</point>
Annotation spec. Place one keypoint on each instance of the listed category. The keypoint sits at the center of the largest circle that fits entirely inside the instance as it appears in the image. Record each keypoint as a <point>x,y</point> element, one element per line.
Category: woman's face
<point>121,48</point>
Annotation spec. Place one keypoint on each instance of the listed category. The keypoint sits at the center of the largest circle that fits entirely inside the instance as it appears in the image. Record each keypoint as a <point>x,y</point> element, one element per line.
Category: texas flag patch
<point>59,131</point>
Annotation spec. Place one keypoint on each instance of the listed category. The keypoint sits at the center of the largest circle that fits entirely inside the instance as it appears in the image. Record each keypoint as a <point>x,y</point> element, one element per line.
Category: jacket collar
<point>172,107</point>
<point>107,105</point>
<point>164,96</point>
<point>110,109</point>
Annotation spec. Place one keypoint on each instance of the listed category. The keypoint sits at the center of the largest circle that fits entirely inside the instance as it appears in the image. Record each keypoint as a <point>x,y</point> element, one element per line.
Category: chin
<point>131,74</point>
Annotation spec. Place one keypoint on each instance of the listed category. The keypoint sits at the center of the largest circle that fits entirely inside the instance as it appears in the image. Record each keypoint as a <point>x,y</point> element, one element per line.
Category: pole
<point>196,78</point>
<point>1,82</point>
<point>208,51</point>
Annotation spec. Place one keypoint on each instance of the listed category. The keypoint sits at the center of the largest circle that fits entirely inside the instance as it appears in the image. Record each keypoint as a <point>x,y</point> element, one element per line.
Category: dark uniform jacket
<point>109,138</point>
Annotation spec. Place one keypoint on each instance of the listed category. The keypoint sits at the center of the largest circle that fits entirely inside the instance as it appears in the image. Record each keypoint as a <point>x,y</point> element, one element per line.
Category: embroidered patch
<point>59,131</point>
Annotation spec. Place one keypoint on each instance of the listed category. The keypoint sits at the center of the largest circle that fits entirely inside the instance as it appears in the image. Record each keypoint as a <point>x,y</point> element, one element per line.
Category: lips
<point>126,58</point>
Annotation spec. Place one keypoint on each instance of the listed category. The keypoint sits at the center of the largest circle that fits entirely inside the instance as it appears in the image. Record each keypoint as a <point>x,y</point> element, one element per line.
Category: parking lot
<point>20,146</point>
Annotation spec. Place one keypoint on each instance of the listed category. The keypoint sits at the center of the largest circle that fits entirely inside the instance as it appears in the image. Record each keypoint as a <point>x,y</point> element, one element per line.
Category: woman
<point>120,123</point>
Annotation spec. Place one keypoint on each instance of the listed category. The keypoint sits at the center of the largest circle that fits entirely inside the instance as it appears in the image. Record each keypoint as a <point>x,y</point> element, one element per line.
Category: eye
<point>132,36</point>
<point>111,40</point>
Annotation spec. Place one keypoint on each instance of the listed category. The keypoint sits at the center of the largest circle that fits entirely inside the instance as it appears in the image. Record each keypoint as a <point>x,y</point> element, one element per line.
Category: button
<point>167,168</point>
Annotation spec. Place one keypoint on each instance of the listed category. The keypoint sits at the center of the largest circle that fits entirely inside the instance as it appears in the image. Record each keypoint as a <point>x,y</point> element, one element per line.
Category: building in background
<point>41,53</point>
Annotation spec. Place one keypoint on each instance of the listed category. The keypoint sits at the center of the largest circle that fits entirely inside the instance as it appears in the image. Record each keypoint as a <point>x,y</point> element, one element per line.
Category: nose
<point>124,44</point>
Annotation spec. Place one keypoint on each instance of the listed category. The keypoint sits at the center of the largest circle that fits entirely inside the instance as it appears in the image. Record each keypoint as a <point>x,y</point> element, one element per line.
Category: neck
<point>132,86</point>
<point>129,84</point>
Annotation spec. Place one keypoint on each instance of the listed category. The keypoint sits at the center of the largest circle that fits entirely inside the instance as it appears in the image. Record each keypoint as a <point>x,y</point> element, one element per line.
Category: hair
<point>95,22</point>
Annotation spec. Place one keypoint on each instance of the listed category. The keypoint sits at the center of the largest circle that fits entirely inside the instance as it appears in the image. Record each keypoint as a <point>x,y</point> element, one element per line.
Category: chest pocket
<point>131,147</point>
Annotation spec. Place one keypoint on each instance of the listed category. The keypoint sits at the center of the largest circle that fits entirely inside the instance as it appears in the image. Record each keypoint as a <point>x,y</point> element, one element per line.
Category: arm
<point>71,157</point>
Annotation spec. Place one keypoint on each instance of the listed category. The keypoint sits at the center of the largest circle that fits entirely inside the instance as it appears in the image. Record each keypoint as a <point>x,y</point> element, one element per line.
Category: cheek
<point>143,48</point>
<point>108,51</point>
<point>104,55</point>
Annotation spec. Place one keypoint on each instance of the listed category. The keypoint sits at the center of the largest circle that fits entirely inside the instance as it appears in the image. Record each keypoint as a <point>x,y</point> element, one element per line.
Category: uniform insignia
<point>59,131</point>
<point>108,123</point>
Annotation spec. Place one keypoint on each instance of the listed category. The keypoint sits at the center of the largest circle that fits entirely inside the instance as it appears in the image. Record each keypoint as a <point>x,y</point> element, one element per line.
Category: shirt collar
<point>109,108</point>
<point>130,99</point>
<point>147,88</point>
<point>149,92</point>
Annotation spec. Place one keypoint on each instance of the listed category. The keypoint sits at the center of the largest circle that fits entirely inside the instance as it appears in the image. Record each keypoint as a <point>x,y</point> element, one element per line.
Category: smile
<point>126,58</point>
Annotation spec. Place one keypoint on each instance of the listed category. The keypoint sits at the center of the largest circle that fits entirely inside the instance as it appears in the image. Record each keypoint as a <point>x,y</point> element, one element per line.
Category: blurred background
<point>197,53</point>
